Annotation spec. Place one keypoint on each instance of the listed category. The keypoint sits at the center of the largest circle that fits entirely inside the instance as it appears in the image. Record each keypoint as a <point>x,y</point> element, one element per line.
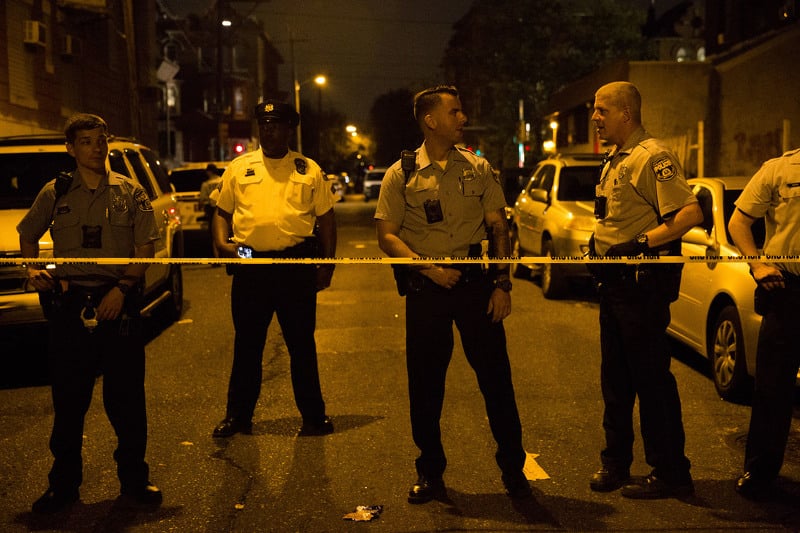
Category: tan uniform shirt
<point>274,202</point>
<point>108,222</point>
<point>774,193</point>
<point>642,182</point>
<point>466,190</point>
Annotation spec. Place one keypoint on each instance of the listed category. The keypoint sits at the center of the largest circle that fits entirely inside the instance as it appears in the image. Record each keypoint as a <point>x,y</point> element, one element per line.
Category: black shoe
<point>231,426</point>
<point>316,429</point>
<point>607,479</point>
<point>426,489</point>
<point>517,485</point>
<point>147,494</point>
<point>752,487</point>
<point>54,501</point>
<point>651,488</point>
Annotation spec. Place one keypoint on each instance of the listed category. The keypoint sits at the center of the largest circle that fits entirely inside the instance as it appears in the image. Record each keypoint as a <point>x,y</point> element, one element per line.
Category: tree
<point>504,51</point>
<point>393,126</point>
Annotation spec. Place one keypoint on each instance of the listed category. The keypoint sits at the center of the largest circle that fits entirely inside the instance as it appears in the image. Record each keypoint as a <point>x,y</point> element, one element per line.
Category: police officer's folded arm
<point>221,227</point>
<point>392,245</point>
<point>40,279</point>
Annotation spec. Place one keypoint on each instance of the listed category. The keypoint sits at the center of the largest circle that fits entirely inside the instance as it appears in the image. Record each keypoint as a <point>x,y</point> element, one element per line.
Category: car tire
<point>553,280</point>
<point>518,270</point>
<point>172,308</point>
<point>727,355</point>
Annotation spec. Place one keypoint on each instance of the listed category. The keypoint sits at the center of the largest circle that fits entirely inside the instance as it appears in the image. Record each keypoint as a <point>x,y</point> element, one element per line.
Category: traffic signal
<point>238,148</point>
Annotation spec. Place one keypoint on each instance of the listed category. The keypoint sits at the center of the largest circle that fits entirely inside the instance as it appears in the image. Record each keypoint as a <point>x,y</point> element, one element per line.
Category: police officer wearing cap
<point>773,194</point>
<point>643,206</point>
<point>93,310</point>
<point>441,202</point>
<point>269,204</point>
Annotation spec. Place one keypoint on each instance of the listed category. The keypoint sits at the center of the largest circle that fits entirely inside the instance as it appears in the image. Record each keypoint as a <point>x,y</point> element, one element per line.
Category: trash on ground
<point>364,513</point>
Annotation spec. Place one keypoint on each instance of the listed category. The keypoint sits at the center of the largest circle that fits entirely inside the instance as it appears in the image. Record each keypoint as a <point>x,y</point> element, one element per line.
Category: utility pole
<point>220,151</point>
<point>133,75</point>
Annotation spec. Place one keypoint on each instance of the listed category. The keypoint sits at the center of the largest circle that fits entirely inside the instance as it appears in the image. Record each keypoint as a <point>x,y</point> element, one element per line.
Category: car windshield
<point>577,184</point>
<point>375,176</point>
<point>23,176</point>
<point>188,180</point>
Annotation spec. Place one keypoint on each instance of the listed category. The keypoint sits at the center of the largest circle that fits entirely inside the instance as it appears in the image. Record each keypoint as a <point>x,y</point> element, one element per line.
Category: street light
<point>320,80</point>
<point>554,127</point>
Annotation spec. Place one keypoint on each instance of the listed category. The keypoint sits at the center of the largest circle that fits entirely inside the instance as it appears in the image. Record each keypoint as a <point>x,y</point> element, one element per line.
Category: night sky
<point>365,47</point>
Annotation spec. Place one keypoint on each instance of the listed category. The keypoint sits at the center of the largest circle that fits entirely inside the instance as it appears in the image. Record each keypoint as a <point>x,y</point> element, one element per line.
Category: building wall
<point>758,92</point>
<point>40,86</point>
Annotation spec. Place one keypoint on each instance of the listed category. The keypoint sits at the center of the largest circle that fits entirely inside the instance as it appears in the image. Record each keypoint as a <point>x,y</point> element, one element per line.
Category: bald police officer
<point>440,202</point>
<point>644,205</point>
<point>93,310</point>
<point>270,201</point>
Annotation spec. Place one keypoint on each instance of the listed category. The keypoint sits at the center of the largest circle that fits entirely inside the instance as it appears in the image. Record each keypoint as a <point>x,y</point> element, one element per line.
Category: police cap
<point>276,111</point>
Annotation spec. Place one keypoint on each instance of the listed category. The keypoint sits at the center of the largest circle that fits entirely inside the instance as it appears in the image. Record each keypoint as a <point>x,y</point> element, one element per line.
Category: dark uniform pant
<point>778,358</point>
<point>430,313</point>
<point>635,361</point>
<point>258,292</point>
<point>115,349</point>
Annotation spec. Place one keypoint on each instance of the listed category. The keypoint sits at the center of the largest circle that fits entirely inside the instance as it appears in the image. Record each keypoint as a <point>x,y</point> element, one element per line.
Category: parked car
<point>554,216</point>
<point>188,181</point>
<point>337,186</point>
<point>26,164</point>
<point>714,312</point>
<point>372,183</point>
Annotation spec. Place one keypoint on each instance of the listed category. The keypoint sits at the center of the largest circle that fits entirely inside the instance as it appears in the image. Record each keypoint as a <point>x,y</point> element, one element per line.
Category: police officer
<point>92,310</point>
<point>440,202</point>
<point>643,206</point>
<point>773,194</point>
<point>270,202</point>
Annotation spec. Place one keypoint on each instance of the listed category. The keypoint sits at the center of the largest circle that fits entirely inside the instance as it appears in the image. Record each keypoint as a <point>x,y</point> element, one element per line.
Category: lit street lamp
<point>320,80</point>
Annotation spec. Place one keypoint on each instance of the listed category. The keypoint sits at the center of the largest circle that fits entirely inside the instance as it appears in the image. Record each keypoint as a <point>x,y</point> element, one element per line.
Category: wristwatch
<point>643,242</point>
<point>503,284</point>
<point>123,287</point>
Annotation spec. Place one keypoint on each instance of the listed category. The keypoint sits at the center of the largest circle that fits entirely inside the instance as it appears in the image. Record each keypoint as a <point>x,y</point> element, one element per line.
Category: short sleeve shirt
<point>465,190</point>
<point>643,183</point>
<point>107,222</point>
<point>774,193</point>
<point>274,202</point>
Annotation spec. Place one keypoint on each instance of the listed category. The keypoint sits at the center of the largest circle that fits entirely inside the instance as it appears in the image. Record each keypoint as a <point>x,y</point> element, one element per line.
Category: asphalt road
<point>275,481</point>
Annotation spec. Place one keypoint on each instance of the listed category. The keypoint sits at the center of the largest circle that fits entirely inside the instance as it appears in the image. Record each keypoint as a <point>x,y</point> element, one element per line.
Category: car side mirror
<point>540,195</point>
<point>697,235</point>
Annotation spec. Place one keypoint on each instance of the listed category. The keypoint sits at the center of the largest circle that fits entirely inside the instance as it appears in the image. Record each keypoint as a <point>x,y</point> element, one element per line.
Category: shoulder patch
<point>664,169</point>
<point>300,165</point>
<point>142,201</point>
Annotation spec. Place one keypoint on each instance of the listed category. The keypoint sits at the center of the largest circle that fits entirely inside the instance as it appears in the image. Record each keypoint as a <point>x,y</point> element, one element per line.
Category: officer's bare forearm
<point>221,225</point>
<point>327,234</point>
<point>676,226</point>
<point>135,272</point>
<point>501,244</point>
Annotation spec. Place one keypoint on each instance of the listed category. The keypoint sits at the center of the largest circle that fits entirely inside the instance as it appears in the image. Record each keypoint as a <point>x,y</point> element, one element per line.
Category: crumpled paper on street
<point>532,470</point>
<point>364,513</point>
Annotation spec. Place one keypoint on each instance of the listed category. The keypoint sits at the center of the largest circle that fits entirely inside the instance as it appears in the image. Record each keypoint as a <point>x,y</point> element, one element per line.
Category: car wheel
<point>172,308</point>
<point>518,270</point>
<point>727,355</point>
<point>554,281</point>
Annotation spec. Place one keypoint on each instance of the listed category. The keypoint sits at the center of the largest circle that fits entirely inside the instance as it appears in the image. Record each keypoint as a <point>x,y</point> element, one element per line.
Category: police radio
<point>408,162</point>
<point>63,181</point>
<point>62,184</point>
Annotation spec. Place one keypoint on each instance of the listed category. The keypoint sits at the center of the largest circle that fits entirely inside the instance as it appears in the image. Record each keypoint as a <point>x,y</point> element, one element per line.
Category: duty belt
<point>307,248</point>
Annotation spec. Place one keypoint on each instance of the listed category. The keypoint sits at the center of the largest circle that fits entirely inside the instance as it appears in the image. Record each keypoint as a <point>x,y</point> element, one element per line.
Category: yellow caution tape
<point>398,260</point>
